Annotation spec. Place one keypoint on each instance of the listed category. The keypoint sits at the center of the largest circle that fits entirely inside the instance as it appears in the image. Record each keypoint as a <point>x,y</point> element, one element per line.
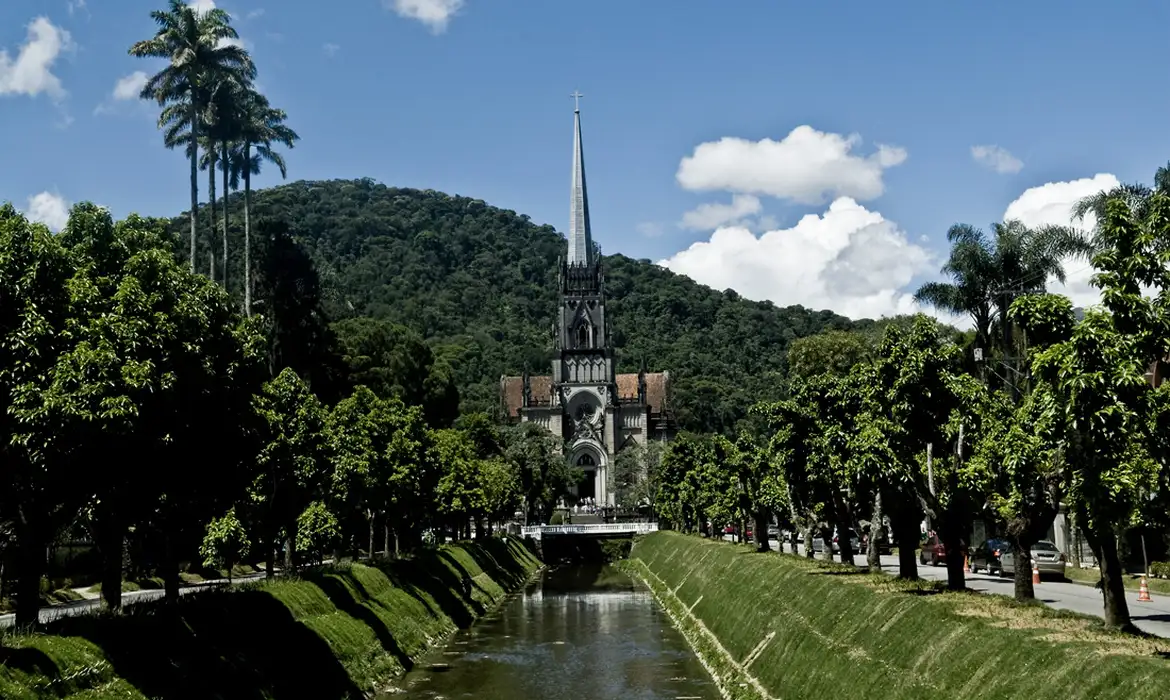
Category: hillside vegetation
<point>336,632</point>
<point>779,626</point>
<point>479,284</point>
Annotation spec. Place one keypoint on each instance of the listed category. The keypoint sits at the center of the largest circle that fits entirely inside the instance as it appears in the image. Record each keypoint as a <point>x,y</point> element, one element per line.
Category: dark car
<point>986,556</point>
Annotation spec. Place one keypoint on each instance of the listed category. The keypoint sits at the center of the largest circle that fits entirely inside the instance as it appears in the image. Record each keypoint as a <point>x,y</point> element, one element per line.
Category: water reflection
<point>586,632</point>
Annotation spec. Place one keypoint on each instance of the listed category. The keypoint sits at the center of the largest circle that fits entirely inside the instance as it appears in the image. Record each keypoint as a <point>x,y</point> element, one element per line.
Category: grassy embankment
<point>333,632</point>
<point>771,626</point>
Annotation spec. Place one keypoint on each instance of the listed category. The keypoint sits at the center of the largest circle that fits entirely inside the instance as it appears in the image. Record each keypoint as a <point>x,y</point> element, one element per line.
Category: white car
<point>1045,556</point>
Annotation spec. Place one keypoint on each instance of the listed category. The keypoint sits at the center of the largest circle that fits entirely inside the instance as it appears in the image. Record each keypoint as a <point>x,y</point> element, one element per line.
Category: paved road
<point>81,607</point>
<point>1153,618</point>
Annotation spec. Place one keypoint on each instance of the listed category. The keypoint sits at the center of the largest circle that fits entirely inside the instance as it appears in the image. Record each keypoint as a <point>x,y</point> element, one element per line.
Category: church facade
<point>596,411</point>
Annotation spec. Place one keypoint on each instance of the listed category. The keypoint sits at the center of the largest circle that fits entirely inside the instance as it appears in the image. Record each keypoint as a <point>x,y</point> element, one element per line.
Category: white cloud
<point>201,6</point>
<point>436,14</point>
<point>128,87</point>
<point>996,158</point>
<point>1051,204</point>
<point>714,215</point>
<point>49,209</point>
<point>849,259</point>
<point>330,49</point>
<point>807,166</point>
<point>31,72</point>
<point>75,5</point>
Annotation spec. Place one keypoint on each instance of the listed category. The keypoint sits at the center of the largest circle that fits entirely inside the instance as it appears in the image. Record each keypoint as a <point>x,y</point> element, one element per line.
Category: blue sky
<point>740,113</point>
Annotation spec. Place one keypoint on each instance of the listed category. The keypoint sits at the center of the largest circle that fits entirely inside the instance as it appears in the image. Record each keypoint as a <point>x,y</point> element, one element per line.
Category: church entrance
<point>587,487</point>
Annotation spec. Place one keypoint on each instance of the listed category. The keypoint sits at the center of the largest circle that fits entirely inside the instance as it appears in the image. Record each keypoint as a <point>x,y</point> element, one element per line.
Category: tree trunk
<point>30,551</point>
<point>1022,568</point>
<point>792,541</point>
<point>844,541</point>
<point>274,554</point>
<point>247,229</point>
<point>194,177</point>
<point>386,538</point>
<point>763,517</point>
<point>827,539</point>
<point>211,203</point>
<point>370,517</point>
<point>290,551</point>
<point>953,544</point>
<point>224,159</point>
<point>1104,544</point>
<point>877,533</point>
<point>809,552</point>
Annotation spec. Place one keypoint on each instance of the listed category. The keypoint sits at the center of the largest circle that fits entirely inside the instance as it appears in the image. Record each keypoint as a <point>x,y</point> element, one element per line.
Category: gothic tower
<point>584,362</point>
<point>596,412</point>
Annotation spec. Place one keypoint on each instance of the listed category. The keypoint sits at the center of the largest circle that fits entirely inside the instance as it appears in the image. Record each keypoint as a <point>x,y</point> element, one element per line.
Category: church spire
<point>580,237</point>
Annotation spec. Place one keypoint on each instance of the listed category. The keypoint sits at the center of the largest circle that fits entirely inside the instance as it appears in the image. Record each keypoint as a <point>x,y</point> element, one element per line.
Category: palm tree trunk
<point>224,160</point>
<point>247,229</point>
<point>194,178</point>
<point>211,203</point>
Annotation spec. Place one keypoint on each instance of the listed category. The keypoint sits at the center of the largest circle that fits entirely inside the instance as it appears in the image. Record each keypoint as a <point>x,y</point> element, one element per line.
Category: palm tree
<point>198,47</point>
<point>1136,196</point>
<point>260,127</point>
<point>988,272</point>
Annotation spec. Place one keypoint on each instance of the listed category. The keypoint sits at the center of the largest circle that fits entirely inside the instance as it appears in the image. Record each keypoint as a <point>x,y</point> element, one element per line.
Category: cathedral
<point>595,410</point>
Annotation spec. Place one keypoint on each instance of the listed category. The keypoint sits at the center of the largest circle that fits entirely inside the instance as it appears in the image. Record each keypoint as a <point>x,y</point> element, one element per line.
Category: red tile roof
<point>512,390</point>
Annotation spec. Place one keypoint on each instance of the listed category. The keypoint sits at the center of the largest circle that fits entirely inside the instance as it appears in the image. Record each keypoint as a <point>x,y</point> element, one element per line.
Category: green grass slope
<point>335,632</point>
<point>778,626</point>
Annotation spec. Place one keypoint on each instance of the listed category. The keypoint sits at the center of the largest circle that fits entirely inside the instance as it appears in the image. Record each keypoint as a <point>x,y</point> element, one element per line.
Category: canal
<point>578,632</point>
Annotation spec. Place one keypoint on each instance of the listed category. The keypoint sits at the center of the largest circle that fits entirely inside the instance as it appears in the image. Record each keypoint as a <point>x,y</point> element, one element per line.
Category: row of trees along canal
<point>145,408</point>
<point>1061,412</point>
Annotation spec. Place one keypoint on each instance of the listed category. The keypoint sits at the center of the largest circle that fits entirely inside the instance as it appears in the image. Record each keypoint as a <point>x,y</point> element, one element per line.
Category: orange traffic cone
<point>1035,574</point>
<point>1144,592</point>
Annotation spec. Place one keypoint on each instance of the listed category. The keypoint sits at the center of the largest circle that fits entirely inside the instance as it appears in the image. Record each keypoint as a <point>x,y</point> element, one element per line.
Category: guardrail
<point>536,531</point>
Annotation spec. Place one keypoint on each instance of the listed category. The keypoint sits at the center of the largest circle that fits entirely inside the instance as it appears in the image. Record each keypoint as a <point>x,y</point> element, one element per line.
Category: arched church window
<point>582,335</point>
<point>586,460</point>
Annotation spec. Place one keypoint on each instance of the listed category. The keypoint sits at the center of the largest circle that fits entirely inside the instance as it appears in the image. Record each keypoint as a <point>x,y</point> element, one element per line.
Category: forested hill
<point>479,283</point>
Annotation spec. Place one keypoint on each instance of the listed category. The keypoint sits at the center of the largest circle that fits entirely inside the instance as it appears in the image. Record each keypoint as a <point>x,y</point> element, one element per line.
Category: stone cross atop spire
<point>580,237</point>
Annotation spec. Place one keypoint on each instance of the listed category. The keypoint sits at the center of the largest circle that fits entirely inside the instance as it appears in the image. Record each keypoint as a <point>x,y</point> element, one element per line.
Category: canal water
<point>579,632</point>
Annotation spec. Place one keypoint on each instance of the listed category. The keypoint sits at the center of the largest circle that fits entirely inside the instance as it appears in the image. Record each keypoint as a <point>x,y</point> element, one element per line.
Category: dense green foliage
<point>813,630</point>
<point>480,285</point>
<point>338,632</point>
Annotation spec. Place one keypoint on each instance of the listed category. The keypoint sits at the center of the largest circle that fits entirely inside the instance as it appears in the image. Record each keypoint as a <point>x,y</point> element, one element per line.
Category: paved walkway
<point>80,607</point>
<point>1152,618</point>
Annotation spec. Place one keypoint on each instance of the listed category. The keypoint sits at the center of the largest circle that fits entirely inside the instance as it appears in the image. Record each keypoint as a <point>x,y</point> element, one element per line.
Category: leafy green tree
<point>461,494</point>
<point>289,297</point>
<point>835,352</point>
<point>317,531</point>
<point>1110,417</point>
<point>414,475</point>
<point>292,464</point>
<point>637,476</point>
<point>39,491</point>
<point>359,430</point>
<point>544,477</point>
<point>226,543</point>
<point>394,361</point>
<point>200,51</point>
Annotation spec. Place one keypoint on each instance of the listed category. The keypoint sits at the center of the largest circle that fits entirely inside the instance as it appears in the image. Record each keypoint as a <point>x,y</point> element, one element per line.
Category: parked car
<point>1045,555</point>
<point>819,543</point>
<point>934,552</point>
<point>987,555</point>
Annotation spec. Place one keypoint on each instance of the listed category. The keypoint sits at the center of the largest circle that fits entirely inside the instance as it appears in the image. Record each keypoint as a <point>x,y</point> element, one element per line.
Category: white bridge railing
<point>537,531</point>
